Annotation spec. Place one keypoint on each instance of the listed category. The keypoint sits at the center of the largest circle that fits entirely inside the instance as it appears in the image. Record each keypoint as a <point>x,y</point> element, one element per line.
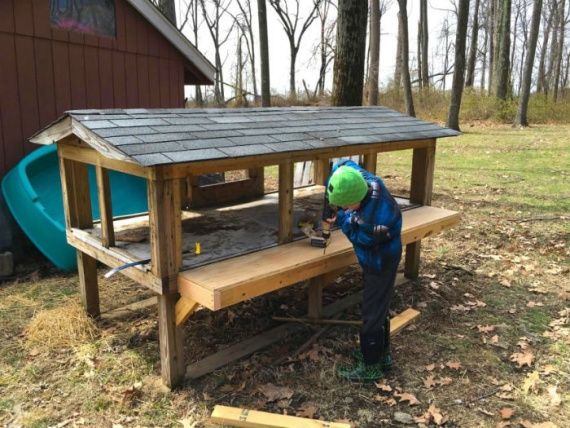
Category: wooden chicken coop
<point>251,243</point>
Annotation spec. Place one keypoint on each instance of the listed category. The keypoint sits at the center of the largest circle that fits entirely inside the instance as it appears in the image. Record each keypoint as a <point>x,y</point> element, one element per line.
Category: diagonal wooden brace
<point>184,308</point>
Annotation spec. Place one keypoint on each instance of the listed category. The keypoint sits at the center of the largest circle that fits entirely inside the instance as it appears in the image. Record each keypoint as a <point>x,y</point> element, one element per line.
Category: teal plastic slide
<point>32,190</point>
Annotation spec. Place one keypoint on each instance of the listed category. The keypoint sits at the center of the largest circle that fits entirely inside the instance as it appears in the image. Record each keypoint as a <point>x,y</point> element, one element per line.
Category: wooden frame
<point>166,184</point>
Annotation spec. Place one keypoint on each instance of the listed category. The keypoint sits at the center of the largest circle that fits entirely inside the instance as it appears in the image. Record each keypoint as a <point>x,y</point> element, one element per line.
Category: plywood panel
<point>142,36</point>
<point>10,102</point>
<point>42,26</point>
<point>131,29</point>
<point>22,13</point>
<point>164,85</point>
<point>61,78</point>
<point>3,166</point>
<point>120,41</point>
<point>106,78</point>
<point>27,87</point>
<point>77,76</point>
<point>45,80</point>
<point>154,81</point>
<point>173,84</point>
<point>7,16</point>
<point>142,79</point>
<point>131,80</point>
<point>119,83</point>
<point>93,90</point>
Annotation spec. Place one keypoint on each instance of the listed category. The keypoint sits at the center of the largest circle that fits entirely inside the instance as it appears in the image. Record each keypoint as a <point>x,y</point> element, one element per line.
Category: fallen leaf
<point>506,412</point>
<point>430,367</point>
<point>430,382</point>
<point>383,386</point>
<point>486,328</point>
<point>405,396</point>
<point>274,393</point>
<point>523,358</point>
<point>434,415</point>
<point>284,404</point>
<point>495,339</point>
<point>526,424</point>
<point>454,365</point>
<point>530,382</point>
<point>503,424</point>
<point>386,400</point>
<point>548,369</point>
<point>307,411</point>
<point>555,399</point>
<point>444,380</point>
<point>545,425</point>
<point>505,283</point>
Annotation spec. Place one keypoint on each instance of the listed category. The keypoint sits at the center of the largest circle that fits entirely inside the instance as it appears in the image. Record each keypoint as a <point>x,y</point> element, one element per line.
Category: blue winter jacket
<point>378,208</point>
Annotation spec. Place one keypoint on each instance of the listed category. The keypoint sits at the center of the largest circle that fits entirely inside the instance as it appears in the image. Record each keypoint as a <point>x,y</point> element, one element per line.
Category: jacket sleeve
<point>357,234</point>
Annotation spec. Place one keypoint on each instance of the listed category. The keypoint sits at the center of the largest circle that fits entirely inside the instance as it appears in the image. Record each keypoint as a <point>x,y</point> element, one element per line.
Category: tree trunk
<point>521,117</point>
<point>424,42</point>
<point>501,74</point>
<point>558,61</point>
<point>470,77</point>
<point>459,69</point>
<point>374,52</point>
<point>348,75</point>
<point>405,59</point>
<point>264,53</point>
<point>168,10</point>
<point>398,69</point>
<point>292,85</point>
<point>419,55</point>
<point>493,30</point>
<point>484,61</point>
<point>541,83</point>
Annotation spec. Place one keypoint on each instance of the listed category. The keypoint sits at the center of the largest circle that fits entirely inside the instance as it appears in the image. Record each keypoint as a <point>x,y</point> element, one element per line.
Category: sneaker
<point>361,372</point>
<point>387,361</point>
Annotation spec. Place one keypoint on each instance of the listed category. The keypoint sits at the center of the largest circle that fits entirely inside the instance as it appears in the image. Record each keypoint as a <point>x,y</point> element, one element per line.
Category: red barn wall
<point>45,71</point>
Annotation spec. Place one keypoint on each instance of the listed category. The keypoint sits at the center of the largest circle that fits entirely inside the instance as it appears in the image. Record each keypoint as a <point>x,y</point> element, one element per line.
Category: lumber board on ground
<point>237,279</point>
<point>237,417</point>
<point>130,309</point>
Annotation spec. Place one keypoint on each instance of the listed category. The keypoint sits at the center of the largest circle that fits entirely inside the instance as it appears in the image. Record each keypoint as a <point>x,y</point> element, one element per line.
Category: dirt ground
<point>491,348</point>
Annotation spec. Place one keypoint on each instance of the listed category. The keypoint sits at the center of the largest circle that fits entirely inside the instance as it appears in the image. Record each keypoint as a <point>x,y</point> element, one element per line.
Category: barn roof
<point>164,136</point>
<point>174,36</point>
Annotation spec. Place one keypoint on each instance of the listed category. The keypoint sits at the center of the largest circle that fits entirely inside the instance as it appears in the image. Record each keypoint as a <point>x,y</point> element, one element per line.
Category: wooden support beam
<point>105,207</point>
<point>423,164</point>
<point>77,207</point>
<point>286,202</point>
<point>321,169</point>
<point>258,176</point>
<point>184,309</point>
<point>236,417</point>
<point>370,160</point>
<point>315,296</point>
<point>166,255</point>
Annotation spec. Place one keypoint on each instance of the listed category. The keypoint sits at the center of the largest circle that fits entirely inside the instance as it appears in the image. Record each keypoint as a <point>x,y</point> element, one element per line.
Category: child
<point>371,219</point>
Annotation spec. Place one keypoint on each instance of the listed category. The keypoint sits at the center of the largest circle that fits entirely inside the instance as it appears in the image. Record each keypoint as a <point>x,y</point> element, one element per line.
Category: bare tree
<point>377,10</point>
<point>424,44</point>
<point>501,73</point>
<point>403,20</point>
<point>484,51</point>
<point>244,21</point>
<point>325,48</point>
<point>290,23</point>
<point>191,15</point>
<point>560,48</point>
<point>459,69</point>
<point>548,16</point>
<point>398,69</point>
<point>348,72</point>
<point>167,8</point>
<point>521,117</point>
<point>213,12</point>
<point>264,54</point>
<point>470,76</point>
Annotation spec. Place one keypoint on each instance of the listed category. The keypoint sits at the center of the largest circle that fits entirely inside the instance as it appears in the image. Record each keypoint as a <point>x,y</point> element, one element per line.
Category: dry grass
<point>66,326</point>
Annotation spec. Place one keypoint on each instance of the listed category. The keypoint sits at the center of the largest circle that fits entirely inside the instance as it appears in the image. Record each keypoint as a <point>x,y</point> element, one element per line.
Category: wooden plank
<point>27,86</point>
<point>105,207</point>
<point>236,417</point>
<point>61,77</point>
<point>184,309</point>
<point>106,77</point>
<point>231,281</point>
<point>262,340</point>
<point>131,80</point>
<point>285,202</point>
<point>22,17</point>
<point>119,76</point>
<point>92,75</point>
<point>54,133</point>
<point>223,193</point>
<point>142,79</point>
<point>7,16</point>
<point>42,28</point>
<point>171,342</point>
<point>129,310</point>
<point>370,160</point>
<point>165,230</point>
<point>423,164</point>
<point>77,75</point>
<point>403,319</point>
<point>258,176</point>
<point>45,79</point>
<point>88,287</point>
<point>315,296</point>
<point>154,81</point>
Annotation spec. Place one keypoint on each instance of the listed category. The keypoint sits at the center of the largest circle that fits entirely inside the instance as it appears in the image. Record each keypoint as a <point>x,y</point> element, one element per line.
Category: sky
<point>307,68</point>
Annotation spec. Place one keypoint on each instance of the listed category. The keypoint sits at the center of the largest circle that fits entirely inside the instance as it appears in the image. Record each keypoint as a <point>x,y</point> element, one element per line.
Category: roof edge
<point>172,34</point>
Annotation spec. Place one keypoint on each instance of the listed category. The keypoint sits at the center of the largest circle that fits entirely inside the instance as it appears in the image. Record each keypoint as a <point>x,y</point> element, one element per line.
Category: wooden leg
<point>412,261</point>
<point>88,286</point>
<point>315,297</point>
<point>171,342</point>
<point>184,308</point>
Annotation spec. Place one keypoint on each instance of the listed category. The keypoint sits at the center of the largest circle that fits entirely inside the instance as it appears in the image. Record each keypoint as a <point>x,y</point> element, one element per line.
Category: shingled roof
<point>164,136</point>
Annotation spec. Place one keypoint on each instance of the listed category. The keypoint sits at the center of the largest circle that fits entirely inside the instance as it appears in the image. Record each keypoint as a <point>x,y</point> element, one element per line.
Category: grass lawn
<point>492,346</point>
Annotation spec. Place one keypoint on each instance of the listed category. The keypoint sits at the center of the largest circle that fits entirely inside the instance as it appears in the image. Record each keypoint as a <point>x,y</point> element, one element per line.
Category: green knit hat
<point>346,186</point>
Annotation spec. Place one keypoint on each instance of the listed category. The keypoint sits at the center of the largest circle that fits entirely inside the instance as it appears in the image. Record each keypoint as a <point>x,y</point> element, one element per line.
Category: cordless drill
<point>328,212</point>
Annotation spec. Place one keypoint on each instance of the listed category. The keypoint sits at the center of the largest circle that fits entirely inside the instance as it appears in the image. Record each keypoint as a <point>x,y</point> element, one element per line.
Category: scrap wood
<point>236,417</point>
<point>318,321</point>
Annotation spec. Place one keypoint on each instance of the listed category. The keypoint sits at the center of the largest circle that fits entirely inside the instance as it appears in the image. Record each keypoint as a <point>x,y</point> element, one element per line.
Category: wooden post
<point>321,170</point>
<point>77,206</point>
<point>285,202</point>
<point>166,254</point>
<point>423,163</point>
<point>315,296</point>
<point>370,160</point>
<point>258,175</point>
<point>105,207</point>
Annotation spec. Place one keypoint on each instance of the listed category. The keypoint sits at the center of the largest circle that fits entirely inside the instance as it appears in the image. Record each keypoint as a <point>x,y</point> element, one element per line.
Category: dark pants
<point>378,290</point>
